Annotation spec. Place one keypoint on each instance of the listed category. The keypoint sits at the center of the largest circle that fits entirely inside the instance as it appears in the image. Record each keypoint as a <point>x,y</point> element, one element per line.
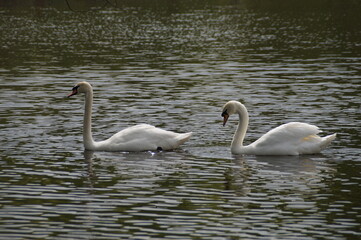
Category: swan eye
<point>225,116</point>
<point>74,91</point>
<point>224,113</point>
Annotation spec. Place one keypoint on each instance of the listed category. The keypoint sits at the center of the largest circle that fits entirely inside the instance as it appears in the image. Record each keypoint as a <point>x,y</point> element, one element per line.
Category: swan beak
<point>74,92</point>
<point>225,118</point>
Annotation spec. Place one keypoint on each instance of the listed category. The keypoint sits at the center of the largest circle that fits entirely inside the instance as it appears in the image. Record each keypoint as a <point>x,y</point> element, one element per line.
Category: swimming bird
<point>141,137</point>
<point>292,138</point>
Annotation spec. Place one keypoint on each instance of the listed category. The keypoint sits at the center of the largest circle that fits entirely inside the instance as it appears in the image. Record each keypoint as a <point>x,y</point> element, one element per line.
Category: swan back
<point>292,138</point>
<point>143,137</point>
<point>288,132</point>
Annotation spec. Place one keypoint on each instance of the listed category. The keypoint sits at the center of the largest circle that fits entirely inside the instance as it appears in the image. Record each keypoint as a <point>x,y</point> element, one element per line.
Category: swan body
<point>292,138</point>
<point>141,137</point>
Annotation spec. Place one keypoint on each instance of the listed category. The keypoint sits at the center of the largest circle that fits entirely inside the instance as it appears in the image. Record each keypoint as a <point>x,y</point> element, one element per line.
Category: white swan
<point>292,138</point>
<point>141,137</point>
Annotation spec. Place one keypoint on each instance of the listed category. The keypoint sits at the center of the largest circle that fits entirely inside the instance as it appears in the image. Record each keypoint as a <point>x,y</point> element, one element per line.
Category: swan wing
<point>291,139</point>
<point>145,137</point>
<point>293,131</point>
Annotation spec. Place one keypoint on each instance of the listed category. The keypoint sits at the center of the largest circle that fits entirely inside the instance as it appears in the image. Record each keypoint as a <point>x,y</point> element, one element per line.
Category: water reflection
<point>289,164</point>
<point>175,68</point>
<point>283,172</point>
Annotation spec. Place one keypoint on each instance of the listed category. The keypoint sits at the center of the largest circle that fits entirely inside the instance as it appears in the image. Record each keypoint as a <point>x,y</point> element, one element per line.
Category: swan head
<point>228,109</point>
<point>81,87</point>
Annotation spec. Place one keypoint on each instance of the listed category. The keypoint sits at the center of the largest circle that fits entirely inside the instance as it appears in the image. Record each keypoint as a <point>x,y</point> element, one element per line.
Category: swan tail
<point>175,142</point>
<point>327,140</point>
<point>183,137</point>
<point>314,144</point>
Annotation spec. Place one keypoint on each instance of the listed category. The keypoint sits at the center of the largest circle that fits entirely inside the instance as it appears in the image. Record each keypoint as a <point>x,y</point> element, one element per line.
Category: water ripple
<point>175,70</point>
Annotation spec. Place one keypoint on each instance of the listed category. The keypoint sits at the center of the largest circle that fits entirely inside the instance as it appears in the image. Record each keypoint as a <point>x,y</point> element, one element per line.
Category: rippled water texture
<point>173,65</point>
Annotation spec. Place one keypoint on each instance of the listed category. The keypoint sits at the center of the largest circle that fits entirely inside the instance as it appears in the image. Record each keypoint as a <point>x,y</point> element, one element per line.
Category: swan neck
<point>87,127</point>
<point>237,142</point>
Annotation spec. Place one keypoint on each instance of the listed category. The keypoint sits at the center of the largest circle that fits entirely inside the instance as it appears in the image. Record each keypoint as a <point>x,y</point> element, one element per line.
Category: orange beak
<point>225,118</point>
<point>74,92</point>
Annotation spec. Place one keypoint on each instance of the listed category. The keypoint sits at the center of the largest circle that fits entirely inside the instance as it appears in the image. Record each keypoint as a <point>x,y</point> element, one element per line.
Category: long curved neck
<point>87,124</point>
<point>237,142</point>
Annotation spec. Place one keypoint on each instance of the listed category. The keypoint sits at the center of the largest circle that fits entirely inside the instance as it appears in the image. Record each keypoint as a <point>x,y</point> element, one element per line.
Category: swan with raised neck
<point>141,137</point>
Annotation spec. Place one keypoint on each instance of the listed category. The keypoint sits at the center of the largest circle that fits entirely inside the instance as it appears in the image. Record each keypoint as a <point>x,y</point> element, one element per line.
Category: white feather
<point>292,138</point>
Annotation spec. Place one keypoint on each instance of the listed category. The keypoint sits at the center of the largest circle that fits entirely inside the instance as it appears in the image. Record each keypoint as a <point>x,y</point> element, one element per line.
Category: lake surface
<point>174,65</point>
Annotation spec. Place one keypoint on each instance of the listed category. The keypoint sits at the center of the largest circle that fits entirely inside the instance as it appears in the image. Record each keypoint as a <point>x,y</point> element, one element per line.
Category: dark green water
<point>174,64</point>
